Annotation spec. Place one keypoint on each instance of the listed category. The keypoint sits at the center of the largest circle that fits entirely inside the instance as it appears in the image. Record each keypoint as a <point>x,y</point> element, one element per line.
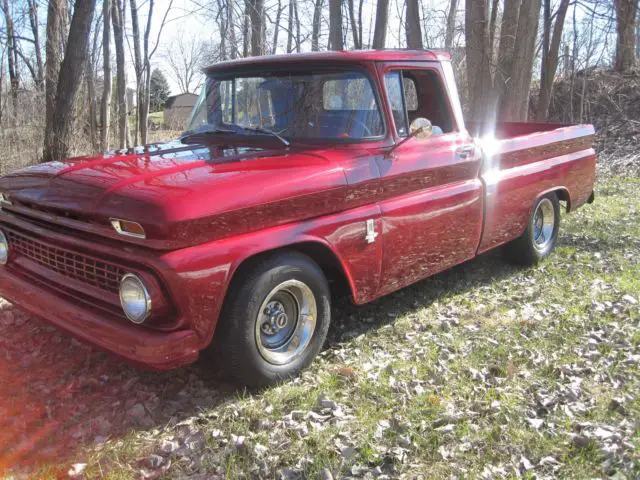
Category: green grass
<point>521,335</point>
<point>156,118</point>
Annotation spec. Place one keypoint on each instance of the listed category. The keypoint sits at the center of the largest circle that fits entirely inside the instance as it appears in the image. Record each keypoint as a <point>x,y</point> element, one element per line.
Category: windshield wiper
<point>205,132</point>
<point>284,141</point>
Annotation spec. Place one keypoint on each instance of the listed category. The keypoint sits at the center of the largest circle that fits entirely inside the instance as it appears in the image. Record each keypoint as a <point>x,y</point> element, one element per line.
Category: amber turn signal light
<point>125,227</point>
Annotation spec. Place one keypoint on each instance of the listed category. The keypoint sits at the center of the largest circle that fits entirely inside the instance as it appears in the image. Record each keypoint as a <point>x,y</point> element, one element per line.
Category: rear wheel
<point>539,239</point>
<point>275,320</point>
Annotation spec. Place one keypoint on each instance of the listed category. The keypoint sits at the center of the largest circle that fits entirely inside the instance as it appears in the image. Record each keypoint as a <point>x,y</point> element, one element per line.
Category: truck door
<point>432,212</point>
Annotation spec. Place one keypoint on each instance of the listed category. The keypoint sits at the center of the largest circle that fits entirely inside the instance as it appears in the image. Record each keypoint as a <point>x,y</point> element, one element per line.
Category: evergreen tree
<point>159,91</point>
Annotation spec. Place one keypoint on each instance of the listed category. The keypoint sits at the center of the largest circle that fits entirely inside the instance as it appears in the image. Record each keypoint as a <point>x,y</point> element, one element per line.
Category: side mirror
<point>420,128</point>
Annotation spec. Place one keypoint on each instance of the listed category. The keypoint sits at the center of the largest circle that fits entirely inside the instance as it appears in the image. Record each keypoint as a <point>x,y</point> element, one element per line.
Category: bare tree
<point>414,32</point>
<point>355,31</point>
<point>451,24</point>
<point>246,29</point>
<point>315,28</point>
<point>335,25</point>
<point>54,51</point>
<point>14,81</point>
<point>477,51</point>
<point>2,54</point>
<point>276,30</point>
<point>382,20</point>
<point>118,20</point>
<point>515,105</point>
<point>550,53</point>
<point>138,66</point>
<point>105,104</point>
<point>35,32</point>
<point>256,21</point>
<point>626,13</point>
<point>90,75</point>
<point>58,133</point>
<point>290,27</point>
<point>147,53</point>
<point>492,27</point>
<point>506,51</point>
<point>185,58</point>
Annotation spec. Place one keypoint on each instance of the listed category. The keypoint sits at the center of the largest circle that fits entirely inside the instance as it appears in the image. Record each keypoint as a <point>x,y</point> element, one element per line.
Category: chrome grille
<point>94,272</point>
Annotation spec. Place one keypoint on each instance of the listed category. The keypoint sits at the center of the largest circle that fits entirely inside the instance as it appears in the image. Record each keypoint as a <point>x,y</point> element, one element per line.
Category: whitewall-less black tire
<point>274,321</point>
<point>541,235</point>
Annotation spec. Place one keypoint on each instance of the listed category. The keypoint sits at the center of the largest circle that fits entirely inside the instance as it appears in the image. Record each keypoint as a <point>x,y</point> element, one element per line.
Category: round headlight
<point>134,298</point>
<point>4,249</point>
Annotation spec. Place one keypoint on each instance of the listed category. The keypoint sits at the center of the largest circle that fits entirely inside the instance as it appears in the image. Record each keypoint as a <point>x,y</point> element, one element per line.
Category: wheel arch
<point>329,261</point>
<point>561,192</point>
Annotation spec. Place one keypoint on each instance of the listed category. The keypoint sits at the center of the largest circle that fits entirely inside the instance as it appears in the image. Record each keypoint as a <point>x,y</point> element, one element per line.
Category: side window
<point>423,95</point>
<point>393,84</point>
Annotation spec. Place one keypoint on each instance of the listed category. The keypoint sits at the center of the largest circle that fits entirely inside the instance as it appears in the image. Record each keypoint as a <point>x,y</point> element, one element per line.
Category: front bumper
<point>137,345</point>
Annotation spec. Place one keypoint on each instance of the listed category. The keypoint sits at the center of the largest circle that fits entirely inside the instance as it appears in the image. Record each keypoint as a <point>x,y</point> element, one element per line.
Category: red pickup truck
<point>295,171</point>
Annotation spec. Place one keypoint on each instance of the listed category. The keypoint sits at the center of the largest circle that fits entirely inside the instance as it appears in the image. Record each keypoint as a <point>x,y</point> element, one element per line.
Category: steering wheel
<point>364,126</point>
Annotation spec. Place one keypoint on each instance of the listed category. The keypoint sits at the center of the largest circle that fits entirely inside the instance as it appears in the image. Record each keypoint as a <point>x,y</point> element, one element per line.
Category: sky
<point>186,17</point>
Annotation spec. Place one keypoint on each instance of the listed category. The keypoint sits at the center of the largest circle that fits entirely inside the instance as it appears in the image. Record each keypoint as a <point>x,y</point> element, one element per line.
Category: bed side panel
<point>525,168</point>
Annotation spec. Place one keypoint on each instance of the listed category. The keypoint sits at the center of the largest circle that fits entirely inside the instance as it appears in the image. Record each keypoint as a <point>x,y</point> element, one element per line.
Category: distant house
<point>177,110</point>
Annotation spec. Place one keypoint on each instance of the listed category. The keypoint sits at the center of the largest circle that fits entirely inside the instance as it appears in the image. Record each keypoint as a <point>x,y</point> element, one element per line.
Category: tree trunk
<point>1,93</point>
<point>360,6</point>
<point>357,44</point>
<point>315,28</point>
<point>223,28</point>
<point>105,105</point>
<point>492,28</point>
<point>382,19</point>
<point>54,50</point>
<point>638,34</point>
<point>138,67</point>
<point>60,132</point>
<point>550,59</point>
<point>297,19</point>
<point>451,25</point>
<point>335,25</point>
<point>14,81</point>
<point>91,97</point>
<point>233,53</point>
<point>515,106</point>
<point>477,51</point>
<point>414,32</point>
<point>35,31</point>
<point>290,28</point>
<point>256,16</point>
<point>90,72</point>
<point>276,29</point>
<point>626,12</point>
<point>117,17</point>
<point>246,30</point>
<point>506,52</point>
<point>146,75</point>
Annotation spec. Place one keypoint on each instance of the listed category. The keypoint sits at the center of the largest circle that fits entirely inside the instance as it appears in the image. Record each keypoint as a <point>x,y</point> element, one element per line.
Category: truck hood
<point>185,194</point>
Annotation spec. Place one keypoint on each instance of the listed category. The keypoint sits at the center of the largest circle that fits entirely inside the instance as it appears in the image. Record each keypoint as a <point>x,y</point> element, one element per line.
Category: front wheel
<point>540,237</point>
<point>275,320</point>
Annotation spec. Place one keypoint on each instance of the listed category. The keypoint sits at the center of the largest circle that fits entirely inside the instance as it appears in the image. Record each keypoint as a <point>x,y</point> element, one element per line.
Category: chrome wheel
<point>286,322</point>
<point>544,220</point>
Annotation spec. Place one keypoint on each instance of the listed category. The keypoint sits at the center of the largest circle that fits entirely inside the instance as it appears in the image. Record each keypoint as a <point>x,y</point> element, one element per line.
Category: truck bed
<point>522,161</point>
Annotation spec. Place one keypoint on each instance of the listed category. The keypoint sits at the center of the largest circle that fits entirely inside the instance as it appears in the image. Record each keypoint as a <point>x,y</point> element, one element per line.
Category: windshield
<point>340,105</point>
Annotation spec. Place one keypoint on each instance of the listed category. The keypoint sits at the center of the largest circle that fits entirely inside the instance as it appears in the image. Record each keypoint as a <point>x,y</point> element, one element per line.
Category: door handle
<point>465,151</point>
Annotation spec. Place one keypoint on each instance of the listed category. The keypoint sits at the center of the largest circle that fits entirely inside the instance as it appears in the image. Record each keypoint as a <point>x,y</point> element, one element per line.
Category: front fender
<point>201,275</point>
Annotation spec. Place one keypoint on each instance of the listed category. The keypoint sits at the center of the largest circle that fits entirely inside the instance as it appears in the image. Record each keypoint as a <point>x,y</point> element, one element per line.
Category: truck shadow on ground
<point>58,397</point>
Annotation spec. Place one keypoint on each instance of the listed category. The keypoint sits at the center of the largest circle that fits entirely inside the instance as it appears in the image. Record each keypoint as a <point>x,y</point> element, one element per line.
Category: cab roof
<point>387,55</point>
